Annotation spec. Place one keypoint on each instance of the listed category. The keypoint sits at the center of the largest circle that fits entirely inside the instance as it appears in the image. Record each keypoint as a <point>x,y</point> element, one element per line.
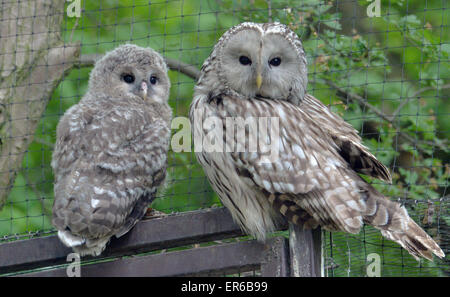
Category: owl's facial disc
<point>144,86</point>
<point>153,85</point>
<point>131,72</point>
<point>131,83</point>
<point>280,69</point>
<point>239,61</point>
<point>157,85</point>
<point>258,63</point>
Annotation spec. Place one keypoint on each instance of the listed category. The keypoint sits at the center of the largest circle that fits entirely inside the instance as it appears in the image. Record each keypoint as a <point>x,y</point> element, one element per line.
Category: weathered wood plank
<point>219,259</point>
<point>147,235</point>
<point>276,258</point>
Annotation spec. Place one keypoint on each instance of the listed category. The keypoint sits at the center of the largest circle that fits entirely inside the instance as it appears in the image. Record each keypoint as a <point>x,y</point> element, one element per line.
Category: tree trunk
<point>33,60</point>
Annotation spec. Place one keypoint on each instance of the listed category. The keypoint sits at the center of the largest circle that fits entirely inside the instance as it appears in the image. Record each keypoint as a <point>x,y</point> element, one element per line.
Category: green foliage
<point>399,59</point>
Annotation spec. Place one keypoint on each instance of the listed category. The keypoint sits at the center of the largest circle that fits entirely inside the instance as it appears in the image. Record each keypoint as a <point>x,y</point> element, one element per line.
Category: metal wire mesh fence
<point>382,65</point>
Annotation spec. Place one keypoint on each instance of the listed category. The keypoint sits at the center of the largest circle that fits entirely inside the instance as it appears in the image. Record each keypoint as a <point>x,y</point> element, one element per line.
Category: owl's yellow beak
<point>144,89</point>
<point>258,80</point>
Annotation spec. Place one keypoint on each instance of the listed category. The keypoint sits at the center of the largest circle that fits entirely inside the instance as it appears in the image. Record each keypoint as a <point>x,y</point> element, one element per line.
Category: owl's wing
<point>105,164</point>
<point>300,156</point>
<point>347,140</point>
<point>306,164</point>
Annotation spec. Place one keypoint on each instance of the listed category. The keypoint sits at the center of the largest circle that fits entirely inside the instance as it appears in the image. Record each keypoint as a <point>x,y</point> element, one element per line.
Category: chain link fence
<point>382,65</point>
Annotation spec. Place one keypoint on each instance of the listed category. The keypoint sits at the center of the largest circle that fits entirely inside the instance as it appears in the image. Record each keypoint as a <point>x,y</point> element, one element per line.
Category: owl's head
<point>264,60</point>
<point>130,71</point>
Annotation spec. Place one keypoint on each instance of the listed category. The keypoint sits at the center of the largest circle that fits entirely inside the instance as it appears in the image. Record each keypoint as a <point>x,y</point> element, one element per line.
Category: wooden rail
<point>275,257</point>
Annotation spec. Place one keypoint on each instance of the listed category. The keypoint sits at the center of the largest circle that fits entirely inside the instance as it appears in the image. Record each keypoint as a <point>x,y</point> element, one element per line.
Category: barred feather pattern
<point>314,181</point>
<point>111,150</point>
<point>107,171</point>
<point>311,183</point>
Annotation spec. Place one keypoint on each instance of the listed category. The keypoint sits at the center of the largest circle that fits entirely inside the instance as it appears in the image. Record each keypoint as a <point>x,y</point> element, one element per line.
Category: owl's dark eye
<point>275,61</point>
<point>128,78</point>
<point>245,60</point>
<point>153,79</point>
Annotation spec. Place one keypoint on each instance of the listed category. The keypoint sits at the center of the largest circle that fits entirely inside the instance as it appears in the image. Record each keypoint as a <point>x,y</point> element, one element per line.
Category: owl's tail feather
<point>393,221</point>
<point>138,212</point>
<point>291,211</point>
<point>415,241</point>
<point>83,246</point>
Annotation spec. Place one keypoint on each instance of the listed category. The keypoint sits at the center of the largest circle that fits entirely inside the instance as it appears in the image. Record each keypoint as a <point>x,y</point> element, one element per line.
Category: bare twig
<point>417,93</point>
<point>44,142</point>
<point>184,68</point>
<point>379,113</point>
<point>89,60</point>
<point>357,98</point>
<point>269,8</point>
<point>73,30</point>
<point>429,213</point>
<point>192,72</point>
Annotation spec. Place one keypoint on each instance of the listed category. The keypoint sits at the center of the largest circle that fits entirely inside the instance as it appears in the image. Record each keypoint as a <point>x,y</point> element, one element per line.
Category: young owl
<point>259,71</point>
<point>111,149</point>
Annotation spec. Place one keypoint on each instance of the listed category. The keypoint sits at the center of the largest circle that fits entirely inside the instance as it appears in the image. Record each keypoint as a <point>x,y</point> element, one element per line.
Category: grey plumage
<point>111,149</point>
<point>259,70</point>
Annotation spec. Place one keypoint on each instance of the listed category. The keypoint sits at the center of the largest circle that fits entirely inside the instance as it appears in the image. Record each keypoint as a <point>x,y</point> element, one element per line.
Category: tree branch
<point>390,119</point>
<point>194,73</point>
<point>191,71</point>
<point>184,68</point>
<point>417,93</point>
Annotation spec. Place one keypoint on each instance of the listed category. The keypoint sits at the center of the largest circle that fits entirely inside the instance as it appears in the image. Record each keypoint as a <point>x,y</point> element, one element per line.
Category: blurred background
<point>387,75</point>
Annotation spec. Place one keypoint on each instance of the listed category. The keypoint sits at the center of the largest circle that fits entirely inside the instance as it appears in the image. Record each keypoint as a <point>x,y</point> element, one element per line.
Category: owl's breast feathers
<point>307,164</point>
<point>318,128</point>
<point>107,163</point>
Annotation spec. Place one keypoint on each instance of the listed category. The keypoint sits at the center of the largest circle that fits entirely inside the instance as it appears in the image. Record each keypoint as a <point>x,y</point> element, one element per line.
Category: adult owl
<point>258,71</point>
<point>111,149</point>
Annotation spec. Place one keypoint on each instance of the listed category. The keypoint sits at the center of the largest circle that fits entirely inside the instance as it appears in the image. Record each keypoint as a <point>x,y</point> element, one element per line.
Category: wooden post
<point>305,248</point>
<point>276,258</point>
